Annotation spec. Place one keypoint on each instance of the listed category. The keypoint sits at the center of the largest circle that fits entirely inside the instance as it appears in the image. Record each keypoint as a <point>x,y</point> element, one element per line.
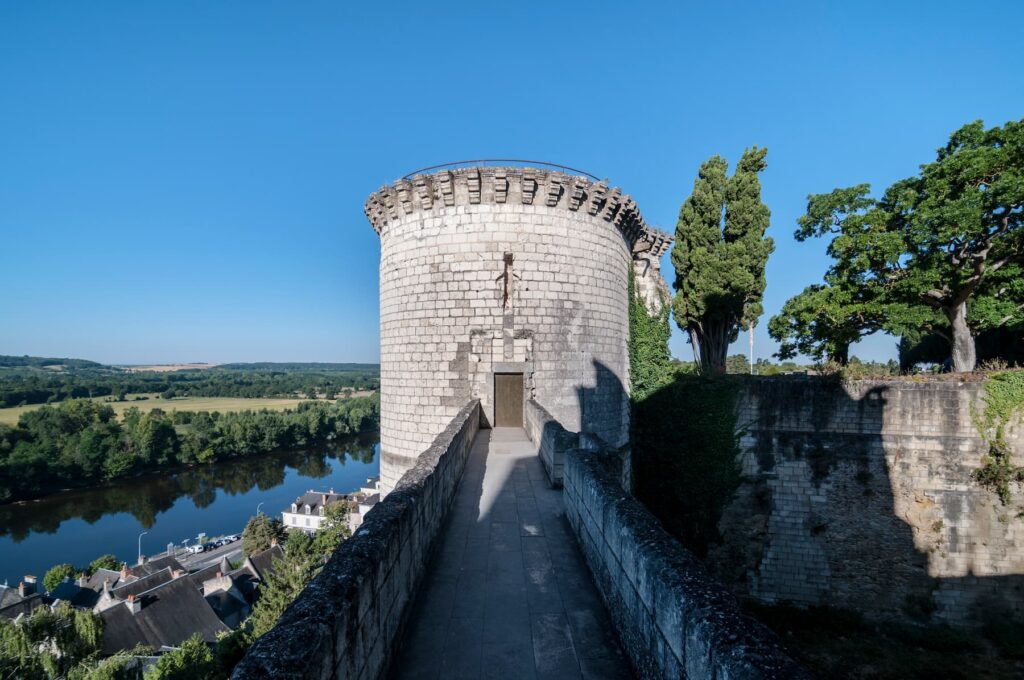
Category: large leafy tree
<point>948,240</point>
<point>192,660</point>
<point>304,557</point>
<point>49,643</point>
<point>720,256</point>
<point>261,532</point>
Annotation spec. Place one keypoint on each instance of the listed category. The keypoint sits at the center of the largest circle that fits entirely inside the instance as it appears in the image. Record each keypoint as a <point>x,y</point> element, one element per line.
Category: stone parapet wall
<point>861,496</point>
<point>551,439</point>
<point>504,270</point>
<point>346,623</point>
<point>674,619</point>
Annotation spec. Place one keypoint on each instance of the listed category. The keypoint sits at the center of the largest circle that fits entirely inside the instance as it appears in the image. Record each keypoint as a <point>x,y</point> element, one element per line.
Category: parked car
<point>195,549</point>
<point>209,546</point>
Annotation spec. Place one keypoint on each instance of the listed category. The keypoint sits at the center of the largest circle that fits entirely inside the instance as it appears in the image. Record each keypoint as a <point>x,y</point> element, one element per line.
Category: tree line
<point>937,259</point>
<point>81,442</point>
<point>35,380</point>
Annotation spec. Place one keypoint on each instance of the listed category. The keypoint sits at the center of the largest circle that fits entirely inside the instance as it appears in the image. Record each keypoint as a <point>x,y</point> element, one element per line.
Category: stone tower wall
<point>487,270</point>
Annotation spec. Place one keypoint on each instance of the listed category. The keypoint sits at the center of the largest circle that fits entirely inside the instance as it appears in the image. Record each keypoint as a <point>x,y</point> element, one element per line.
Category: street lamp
<point>140,544</point>
<point>258,509</point>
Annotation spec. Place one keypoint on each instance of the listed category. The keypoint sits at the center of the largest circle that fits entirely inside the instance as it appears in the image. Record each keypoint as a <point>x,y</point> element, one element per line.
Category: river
<point>78,526</point>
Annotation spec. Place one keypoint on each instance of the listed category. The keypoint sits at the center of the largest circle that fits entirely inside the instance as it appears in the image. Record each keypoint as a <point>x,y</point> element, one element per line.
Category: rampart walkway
<point>508,594</point>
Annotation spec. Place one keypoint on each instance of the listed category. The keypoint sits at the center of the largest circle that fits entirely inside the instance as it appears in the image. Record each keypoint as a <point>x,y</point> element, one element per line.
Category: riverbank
<point>82,444</point>
<point>215,499</point>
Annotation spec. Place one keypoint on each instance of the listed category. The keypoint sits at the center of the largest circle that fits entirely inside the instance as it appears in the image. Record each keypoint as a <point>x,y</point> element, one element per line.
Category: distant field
<point>165,368</point>
<point>9,416</point>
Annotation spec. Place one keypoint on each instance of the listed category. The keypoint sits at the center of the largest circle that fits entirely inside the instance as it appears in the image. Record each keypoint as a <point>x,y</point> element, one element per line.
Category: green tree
<point>56,575</point>
<point>49,643</point>
<point>824,320</point>
<point>283,584</point>
<point>948,239</point>
<point>737,364</point>
<point>260,532</point>
<point>107,561</point>
<point>650,362</point>
<point>333,530</point>
<point>192,660</point>
<point>121,666</point>
<point>720,256</point>
<point>303,559</point>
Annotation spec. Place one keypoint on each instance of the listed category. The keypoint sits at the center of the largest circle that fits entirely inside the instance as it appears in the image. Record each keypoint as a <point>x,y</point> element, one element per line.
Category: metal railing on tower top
<point>500,161</point>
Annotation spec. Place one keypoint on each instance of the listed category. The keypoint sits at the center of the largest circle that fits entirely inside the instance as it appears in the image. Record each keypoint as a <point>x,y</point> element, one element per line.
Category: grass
<point>835,643</point>
<point>9,416</point>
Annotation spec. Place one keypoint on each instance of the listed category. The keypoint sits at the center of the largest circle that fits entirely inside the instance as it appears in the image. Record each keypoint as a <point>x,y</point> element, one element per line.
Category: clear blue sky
<point>184,181</point>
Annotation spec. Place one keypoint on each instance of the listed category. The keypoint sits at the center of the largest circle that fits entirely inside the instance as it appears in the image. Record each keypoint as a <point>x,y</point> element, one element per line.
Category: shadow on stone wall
<point>857,497</point>
<point>604,407</point>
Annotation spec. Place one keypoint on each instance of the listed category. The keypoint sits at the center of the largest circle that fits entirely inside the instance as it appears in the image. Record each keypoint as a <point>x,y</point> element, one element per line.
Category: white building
<point>308,511</point>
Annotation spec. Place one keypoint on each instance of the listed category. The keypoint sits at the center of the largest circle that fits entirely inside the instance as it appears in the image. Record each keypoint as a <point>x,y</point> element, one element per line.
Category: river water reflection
<point>78,526</point>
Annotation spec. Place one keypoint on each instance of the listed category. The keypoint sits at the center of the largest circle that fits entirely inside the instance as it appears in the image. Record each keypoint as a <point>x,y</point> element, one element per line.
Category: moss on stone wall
<point>685,448</point>
<point>1003,403</point>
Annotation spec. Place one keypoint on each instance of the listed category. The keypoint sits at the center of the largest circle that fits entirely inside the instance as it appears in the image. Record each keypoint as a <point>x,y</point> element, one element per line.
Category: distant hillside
<point>298,367</point>
<point>37,380</point>
<point>7,361</point>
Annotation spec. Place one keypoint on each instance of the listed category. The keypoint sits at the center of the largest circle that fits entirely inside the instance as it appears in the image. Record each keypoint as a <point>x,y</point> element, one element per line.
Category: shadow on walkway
<point>507,593</point>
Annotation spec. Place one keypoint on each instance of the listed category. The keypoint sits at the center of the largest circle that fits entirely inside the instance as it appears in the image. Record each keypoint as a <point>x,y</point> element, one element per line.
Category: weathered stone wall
<point>860,496</point>
<point>346,623</point>
<point>551,439</point>
<point>487,270</point>
<point>674,619</point>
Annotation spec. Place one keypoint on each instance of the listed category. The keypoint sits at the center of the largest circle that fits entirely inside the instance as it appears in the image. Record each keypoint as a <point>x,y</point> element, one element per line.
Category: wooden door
<point>508,399</point>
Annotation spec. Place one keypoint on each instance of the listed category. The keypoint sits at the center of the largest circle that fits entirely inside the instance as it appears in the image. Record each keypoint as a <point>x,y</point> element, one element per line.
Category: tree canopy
<point>720,255</point>
<point>942,251</point>
<point>261,532</point>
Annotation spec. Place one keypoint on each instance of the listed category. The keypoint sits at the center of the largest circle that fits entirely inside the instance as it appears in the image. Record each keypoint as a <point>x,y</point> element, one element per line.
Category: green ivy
<point>1003,401</point>
<point>685,452</point>
<point>650,363</point>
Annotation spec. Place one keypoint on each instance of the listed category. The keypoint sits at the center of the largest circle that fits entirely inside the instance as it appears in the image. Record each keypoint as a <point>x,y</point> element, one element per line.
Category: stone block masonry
<point>551,439</point>
<point>346,623</point>
<point>861,496</point>
<point>505,270</point>
<point>673,618</point>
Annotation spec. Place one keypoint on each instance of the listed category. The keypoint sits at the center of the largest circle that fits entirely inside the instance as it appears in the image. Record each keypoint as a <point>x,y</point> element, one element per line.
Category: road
<point>232,551</point>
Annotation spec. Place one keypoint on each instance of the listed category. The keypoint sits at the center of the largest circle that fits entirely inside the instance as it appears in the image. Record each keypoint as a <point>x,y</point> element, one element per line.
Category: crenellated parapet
<point>425,193</point>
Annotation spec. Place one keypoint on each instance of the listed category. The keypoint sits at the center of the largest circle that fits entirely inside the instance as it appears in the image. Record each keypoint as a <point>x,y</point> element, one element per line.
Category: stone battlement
<point>425,193</point>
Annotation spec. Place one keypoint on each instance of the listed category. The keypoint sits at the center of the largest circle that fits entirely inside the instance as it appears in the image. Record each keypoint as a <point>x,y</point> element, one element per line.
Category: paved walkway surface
<point>508,594</point>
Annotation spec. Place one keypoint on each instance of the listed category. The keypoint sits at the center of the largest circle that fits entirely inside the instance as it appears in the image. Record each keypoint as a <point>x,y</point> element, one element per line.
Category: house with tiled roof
<point>164,616</point>
<point>307,512</point>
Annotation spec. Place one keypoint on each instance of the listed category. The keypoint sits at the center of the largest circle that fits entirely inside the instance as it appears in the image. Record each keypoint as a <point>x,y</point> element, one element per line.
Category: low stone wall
<point>674,619</point>
<point>346,623</point>
<point>551,439</point>
<point>861,496</point>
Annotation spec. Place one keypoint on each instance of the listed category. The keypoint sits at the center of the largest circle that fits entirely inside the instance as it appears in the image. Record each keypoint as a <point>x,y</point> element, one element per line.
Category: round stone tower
<point>505,284</point>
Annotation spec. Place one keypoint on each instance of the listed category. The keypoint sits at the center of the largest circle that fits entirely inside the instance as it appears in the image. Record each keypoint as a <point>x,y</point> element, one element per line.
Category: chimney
<point>142,559</point>
<point>22,589</point>
<point>28,585</point>
<point>220,574</point>
<point>177,573</point>
<point>323,499</point>
<point>83,580</point>
<point>273,542</point>
<point>134,604</point>
<point>125,572</point>
<point>106,586</point>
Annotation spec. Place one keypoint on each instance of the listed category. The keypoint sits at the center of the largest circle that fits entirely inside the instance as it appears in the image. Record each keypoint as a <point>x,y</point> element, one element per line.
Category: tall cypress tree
<point>720,256</point>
